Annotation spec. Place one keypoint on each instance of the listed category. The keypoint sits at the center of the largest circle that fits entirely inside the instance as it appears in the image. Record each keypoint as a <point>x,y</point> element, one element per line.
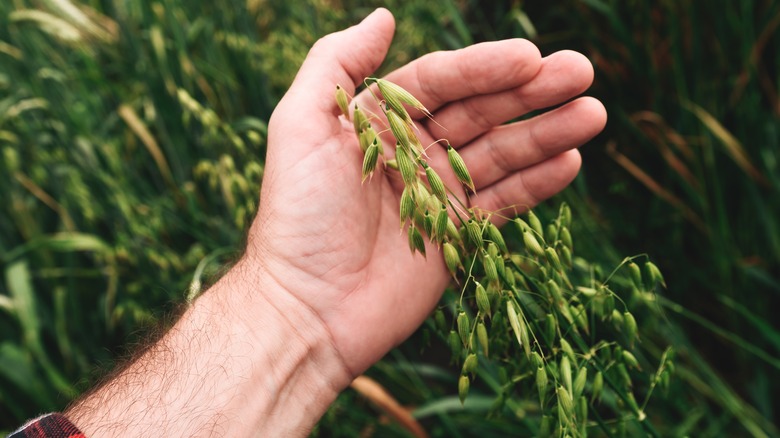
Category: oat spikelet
<point>483,301</point>
<point>463,388</point>
<point>482,336</point>
<point>470,364</point>
<point>370,160</point>
<point>451,257</point>
<point>459,168</point>
<point>343,101</point>
<point>395,95</point>
<point>437,185</point>
<point>407,167</point>
<point>359,120</point>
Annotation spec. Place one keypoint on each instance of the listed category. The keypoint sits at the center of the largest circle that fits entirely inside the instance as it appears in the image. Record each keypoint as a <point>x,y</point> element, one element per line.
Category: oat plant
<point>552,323</point>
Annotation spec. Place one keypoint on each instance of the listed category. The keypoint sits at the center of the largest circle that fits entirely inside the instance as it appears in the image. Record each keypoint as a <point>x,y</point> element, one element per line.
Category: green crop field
<point>132,141</point>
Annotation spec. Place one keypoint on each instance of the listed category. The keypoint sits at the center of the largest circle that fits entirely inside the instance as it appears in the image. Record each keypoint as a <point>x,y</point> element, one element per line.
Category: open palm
<point>335,244</point>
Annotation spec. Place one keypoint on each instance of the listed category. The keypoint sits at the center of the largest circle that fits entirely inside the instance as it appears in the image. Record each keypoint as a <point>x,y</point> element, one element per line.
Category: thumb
<point>342,58</point>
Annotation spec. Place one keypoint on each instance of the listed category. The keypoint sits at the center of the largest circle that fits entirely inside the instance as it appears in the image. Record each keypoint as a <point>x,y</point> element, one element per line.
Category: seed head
<point>440,224</point>
<point>636,275</point>
<point>531,244</point>
<point>464,328</point>
<point>653,274</point>
<point>550,326</point>
<point>437,185</point>
<point>438,318</point>
<point>551,233</point>
<point>514,322</point>
<point>566,256</point>
<point>565,237</point>
<point>463,388</point>
<point>565,370</point>
<point>630,359</point>
<point>470,364</point>
<point>564,215</point>
<point>428,224</point>
<point>491,273</point>
<point>416,241</point>
<point>552,257</point>
<point>459,168</point>
<point>456,344</point>
<point>535,223</point>
<point>579,382</point>
<point>407,205</point>
<point>369,160</point>
<point>629,325</point>
<point>494,234</point>
<point>342,100</point>
<point>522,225</point>
<point>482,336</point>
<point>474,232</point>
<point>400,129</point>
<point>598,385</point>
<point>407,167</point>
<point>541,383</point>
<point>555,291</point>
<point>452,231</point>
<point>395,95</point>
<point>564,401</point>
<point>536,360</point>
<point>451,257</point>
<point>567,350</point>
<point>483,301</point>
<point>359,120</point>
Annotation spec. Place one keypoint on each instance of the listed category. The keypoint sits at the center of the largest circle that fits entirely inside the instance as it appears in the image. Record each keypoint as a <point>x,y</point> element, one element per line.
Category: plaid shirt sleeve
<point>48,426</point>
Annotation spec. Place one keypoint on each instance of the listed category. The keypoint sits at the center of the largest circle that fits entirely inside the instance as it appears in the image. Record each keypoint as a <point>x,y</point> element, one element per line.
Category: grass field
<point>133,135</point>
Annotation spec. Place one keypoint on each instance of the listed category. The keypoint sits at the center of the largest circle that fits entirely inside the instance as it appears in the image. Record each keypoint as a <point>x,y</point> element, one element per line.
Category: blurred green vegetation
<point>132,137</point>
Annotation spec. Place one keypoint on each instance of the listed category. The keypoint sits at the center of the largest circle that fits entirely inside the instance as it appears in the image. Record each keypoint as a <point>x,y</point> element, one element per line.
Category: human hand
<point>334,244</point>
<point>327,285</point>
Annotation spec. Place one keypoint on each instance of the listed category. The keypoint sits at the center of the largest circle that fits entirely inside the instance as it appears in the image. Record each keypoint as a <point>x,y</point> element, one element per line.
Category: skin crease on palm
<point>334,244</point>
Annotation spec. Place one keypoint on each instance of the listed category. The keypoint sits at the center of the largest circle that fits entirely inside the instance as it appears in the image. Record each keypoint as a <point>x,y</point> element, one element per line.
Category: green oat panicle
<point>561,312</point>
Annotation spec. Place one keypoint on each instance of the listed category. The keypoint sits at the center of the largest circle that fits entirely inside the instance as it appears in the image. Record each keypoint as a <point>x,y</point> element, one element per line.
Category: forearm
<point>245,359</point>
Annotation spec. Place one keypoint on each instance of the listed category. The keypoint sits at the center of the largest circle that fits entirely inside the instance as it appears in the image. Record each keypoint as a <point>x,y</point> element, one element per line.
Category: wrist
<point>245,359</point>
<point>296,369</point>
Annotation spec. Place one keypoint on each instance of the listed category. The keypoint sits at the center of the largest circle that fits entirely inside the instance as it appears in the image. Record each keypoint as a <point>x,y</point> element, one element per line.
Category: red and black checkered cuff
<point>48,426</point>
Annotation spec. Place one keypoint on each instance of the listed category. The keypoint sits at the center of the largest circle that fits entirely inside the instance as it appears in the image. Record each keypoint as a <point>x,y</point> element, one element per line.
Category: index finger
<point>442,77</point>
